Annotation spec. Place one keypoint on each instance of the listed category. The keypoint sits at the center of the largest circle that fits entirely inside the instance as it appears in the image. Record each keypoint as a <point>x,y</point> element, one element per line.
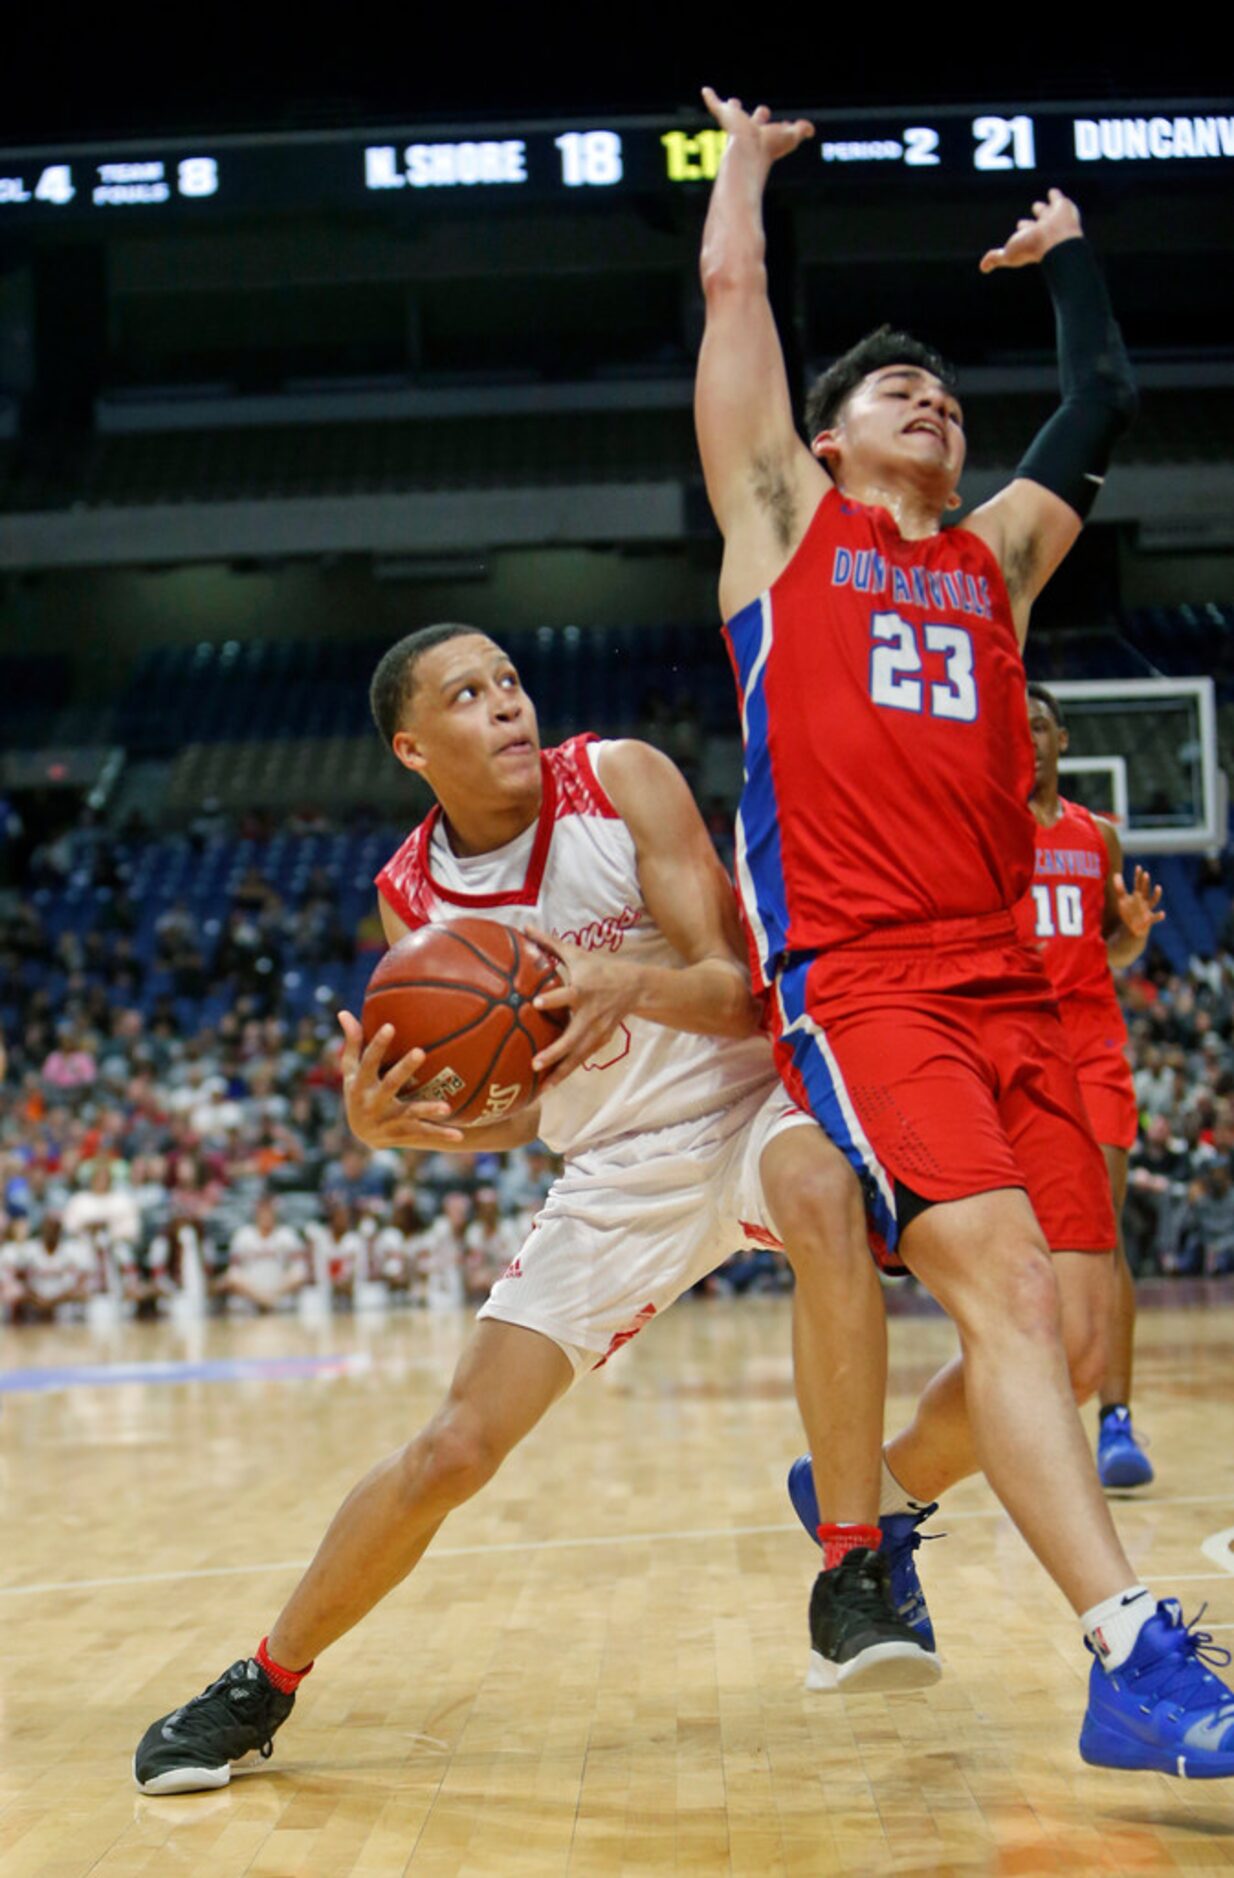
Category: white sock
<point>1113,1627</point>
<point>892,1497</point>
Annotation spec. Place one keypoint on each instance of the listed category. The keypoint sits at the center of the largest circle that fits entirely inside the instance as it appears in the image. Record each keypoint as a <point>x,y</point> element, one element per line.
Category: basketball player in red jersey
<point>1087,924</point>
<point>884,839</point>
<point>661,1093</point>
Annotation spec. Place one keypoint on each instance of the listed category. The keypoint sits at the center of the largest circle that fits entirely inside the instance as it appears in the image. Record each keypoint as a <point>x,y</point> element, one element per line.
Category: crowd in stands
<point>142,1166</point>
<point>1179,1216</point>
<point>190,1142</point>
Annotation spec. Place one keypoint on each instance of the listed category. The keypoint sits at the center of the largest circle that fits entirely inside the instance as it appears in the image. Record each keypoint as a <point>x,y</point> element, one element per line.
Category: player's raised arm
<point>762,482</point>
<point>1033,523</point>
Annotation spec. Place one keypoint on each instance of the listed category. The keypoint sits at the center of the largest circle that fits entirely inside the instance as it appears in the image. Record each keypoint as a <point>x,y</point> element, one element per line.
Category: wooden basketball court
<point>599,1667</point>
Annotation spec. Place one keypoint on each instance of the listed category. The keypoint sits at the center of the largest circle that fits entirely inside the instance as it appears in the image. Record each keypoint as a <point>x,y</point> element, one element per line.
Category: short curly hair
<point>826,396</point>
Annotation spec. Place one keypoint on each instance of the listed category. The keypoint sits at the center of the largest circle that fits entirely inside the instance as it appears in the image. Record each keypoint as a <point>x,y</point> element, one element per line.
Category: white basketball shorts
<point>629,1226</point>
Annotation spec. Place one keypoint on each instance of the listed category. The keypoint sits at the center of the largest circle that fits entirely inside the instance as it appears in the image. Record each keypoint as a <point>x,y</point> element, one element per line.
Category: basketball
<point>462,992</point>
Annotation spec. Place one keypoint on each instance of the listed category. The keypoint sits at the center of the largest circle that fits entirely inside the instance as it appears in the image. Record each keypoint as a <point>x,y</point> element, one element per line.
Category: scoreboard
<point>395,171</point>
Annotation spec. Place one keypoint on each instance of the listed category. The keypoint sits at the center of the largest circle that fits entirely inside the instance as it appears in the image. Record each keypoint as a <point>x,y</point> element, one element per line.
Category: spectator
<point>176,1264</point>
<point>524,1182</point>
<point>357,1176</point>
<point>70,1065</point>
<point>105,1216</point>
<point>174,930</point>
<point>395,1255</point>
<point>1154,1083</point>
<point>441,1172</point>
<point>443,1253</point>
<point>490,1244</point>
<point>195,1188</point>
<point>1158,1168</point>
<point>46,1274</point>
<point>14,1234</point>
<point>206,1117</point>
<point>341,1252</point>
<point>1206,1237</point>
<point>266,1263</point>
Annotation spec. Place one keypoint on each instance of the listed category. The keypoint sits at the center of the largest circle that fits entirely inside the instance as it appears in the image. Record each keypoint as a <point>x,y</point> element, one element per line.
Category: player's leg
<point>839,1324</point>
<point>576,1285</point>
<point>938,1447</point>
<point>1042,1116</point>
<point>1152,1703</point>
<point>506,1379</point>
<point>1116,1382</point>
<point>1121,1460</point>
<point>987,1263</point>
<point>860,1639</point>
<point>1109,1099</point>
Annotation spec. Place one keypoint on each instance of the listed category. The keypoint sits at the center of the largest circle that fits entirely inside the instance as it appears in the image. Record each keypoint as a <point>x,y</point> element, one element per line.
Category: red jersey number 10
<point>896,663</point>
<point>1060,912</point>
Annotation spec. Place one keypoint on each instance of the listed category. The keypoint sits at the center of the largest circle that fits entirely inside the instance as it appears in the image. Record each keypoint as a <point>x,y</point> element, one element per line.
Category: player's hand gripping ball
<point>462,992</point>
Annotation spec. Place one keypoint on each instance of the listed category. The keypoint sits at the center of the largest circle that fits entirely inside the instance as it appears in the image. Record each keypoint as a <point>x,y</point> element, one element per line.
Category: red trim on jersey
<point>580,787</point>
<point>529,892</point>
<point>388,887</point>
<point>570,786</point>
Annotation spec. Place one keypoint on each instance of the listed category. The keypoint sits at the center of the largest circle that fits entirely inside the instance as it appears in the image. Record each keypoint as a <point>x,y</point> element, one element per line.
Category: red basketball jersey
<point>887,756</point>
<point>1068,902</point>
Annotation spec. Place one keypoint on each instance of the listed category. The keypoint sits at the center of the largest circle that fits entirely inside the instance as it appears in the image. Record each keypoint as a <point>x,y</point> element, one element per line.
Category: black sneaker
<point>859,1642</point>
<point>194,1746</point>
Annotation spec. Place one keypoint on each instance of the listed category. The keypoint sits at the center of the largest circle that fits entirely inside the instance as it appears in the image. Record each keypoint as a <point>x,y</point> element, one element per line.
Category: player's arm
<point>1034,522</point>
<point>690,898</point>
<point>762,482</point>
<point>1128,917</point>
<point>378,1113</point>
<point>393,927</point>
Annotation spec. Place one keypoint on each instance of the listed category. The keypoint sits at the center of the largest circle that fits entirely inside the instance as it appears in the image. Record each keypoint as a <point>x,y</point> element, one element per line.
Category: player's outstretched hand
<point>378,1113</point>
<point>596,992</point>
<point>756,130</point>
<point>1054,220</point>
<point>1138,909</point>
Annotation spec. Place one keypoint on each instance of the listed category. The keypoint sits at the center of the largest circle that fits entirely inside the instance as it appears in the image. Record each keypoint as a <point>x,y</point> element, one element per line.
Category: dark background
<point>488,303</point>
<point>223,71</point>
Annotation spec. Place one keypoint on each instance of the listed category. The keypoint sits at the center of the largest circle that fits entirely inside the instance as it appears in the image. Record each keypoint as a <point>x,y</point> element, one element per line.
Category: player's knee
<point>1020,1298</point>
<point>1033,1299</point>
<point>450,1460</point>
<point>818,1215</point>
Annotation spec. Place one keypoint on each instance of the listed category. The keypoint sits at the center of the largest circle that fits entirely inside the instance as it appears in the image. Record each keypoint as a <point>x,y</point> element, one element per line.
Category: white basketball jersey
<point>575,874</point>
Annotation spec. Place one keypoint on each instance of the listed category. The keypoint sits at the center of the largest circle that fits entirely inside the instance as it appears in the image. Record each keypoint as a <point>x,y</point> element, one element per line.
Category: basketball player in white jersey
<point>680,1145</point>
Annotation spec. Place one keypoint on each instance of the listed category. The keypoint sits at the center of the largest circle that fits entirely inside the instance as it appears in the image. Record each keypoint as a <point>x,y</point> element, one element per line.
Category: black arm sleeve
<point>1070,454</point>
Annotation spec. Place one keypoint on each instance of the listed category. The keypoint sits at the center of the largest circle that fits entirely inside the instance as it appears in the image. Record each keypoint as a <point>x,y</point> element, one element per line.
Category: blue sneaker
<point>1121,1461</point>
<point>900,1540</point>
<point>1163,1710</point>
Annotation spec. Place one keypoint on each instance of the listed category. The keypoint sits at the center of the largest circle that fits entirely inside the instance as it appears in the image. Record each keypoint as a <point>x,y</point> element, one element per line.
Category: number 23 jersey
<point>888,762</point>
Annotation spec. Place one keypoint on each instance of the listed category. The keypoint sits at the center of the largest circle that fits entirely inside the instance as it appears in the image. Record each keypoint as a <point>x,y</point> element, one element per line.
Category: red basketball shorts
<point>1096,1037</point>
<point>935,1057</point>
